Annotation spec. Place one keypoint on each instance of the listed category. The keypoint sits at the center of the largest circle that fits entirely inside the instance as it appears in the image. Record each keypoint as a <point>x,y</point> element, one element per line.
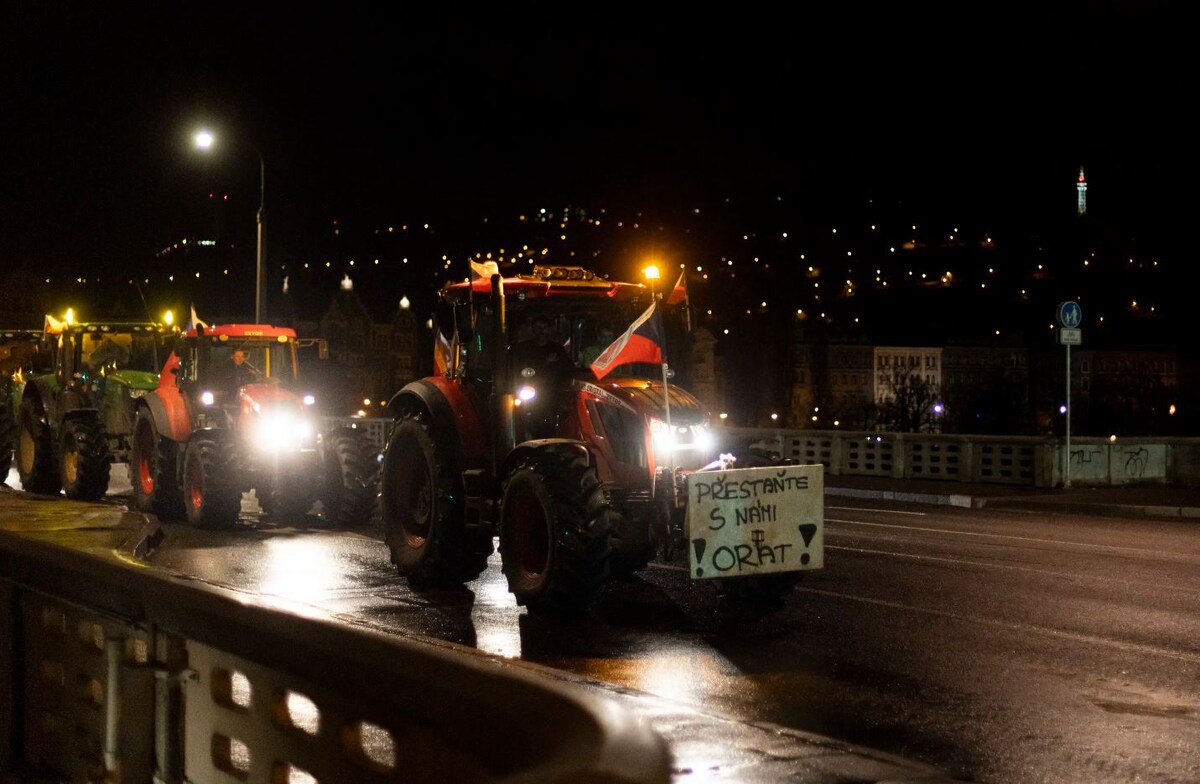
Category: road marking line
<point>1025,627</point>
<point>884,511</point>
<point>1109,547</point>
<point>1012,567</point>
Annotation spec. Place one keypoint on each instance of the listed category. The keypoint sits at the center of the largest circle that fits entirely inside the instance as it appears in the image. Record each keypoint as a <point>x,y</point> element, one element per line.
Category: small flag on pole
<point>443,354</point>
<point>485,269</point>
<point>679,292</point>
<point>193,320</point>
<point>642,342</point>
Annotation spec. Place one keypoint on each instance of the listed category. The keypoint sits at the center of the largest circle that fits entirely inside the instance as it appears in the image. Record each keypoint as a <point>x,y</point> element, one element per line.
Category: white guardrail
<point>1015,460</point>
<point>113,672</point>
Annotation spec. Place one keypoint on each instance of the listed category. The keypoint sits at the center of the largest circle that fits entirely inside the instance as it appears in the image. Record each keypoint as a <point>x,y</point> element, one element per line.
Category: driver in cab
<point>540,351</point>
<point>241,372</point>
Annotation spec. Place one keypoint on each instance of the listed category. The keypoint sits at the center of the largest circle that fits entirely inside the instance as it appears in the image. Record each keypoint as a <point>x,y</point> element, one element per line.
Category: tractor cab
<point>228,362</point>
<point>22,353</point>
<point>130,353</point>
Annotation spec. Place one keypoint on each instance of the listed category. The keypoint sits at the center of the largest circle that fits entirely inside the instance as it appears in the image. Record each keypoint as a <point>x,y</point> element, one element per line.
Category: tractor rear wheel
<point>8,437</point>
<point>351,479</point>
<point>210,493</point>
<point>35,452</point>
<point>555,523</point>
<point>83,459</point>
<point>423,508</point>
<point>636,538</point>
<point>152,464</point>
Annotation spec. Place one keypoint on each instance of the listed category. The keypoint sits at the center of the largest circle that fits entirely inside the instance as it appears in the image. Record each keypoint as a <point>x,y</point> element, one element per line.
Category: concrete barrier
<point>116,671</point>
<point>1015,460</point>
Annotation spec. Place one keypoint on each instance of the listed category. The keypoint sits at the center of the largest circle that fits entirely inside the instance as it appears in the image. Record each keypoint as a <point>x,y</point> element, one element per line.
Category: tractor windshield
<point>268,360</point>
<point>583,329</point>
<point>122,351</point>
<point>17,354</point>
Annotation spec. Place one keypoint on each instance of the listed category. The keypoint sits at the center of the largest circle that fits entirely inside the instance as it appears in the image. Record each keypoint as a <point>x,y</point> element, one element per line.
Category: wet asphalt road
<point>1000,647</point>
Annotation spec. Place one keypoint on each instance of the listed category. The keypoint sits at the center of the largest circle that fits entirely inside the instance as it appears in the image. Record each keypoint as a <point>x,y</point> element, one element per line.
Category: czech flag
<point>679,292</point>
<point>642,342</point>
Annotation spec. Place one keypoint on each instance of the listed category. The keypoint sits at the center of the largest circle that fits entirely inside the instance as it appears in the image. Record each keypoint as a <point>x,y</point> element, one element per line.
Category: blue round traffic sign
<point>1070,314</point>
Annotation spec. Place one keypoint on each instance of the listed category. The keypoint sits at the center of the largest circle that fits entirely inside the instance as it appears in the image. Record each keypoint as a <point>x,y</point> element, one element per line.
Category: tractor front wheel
<point>555,524</point>
<point>423,508</point>
<point>35,452</point>
<point>152,463</point>
<point>83,459</point>
<point>211,496</point>
<point>8,437</point>
<point>351,478</point>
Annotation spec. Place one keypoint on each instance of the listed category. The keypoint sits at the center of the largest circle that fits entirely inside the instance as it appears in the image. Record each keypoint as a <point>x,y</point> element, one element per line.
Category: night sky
<point>389,116</point>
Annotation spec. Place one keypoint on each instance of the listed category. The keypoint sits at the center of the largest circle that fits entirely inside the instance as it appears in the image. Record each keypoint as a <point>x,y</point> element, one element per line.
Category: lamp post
<point>204,141</point>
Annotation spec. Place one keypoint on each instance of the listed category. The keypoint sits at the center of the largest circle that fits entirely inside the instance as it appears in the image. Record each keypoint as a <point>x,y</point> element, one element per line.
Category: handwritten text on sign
<point>756,520</point>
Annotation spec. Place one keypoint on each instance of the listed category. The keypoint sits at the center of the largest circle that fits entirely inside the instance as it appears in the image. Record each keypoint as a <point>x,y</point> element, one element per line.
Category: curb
<point>1017,504</point>
<point>940,499</point>
<point>1103,510</point>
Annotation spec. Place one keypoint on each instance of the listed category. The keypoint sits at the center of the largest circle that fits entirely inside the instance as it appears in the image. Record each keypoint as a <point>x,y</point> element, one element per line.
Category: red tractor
<point>229,417</point>
<point>578,478</point>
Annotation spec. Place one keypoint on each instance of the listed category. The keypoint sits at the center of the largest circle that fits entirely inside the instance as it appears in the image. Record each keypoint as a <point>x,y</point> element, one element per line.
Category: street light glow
<point>204,140</point>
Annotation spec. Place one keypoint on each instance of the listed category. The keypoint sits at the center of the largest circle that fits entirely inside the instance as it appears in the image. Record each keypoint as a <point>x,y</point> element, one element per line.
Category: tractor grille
<point>627,496</point>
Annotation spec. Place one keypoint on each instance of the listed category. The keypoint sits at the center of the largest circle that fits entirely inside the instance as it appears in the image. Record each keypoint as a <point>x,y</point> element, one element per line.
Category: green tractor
<point>75,420</point>
<point>21,354</point>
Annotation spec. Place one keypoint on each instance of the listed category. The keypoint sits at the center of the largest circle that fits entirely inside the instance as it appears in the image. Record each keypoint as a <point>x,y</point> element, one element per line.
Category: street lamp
<point>204,140</point>
<point>650,273</point>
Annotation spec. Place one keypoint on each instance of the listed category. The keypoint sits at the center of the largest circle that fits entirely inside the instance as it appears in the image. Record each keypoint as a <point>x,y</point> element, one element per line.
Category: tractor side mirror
<point>322,349</point>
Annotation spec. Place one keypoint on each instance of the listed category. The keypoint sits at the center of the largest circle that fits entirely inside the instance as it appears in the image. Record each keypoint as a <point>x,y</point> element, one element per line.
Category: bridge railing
<point>1014,460</point>
<point>114,672</point>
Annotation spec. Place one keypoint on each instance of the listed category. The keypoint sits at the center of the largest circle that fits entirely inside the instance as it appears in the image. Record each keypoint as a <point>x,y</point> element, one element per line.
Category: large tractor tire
<point>8,437</point>
<point>35,452</point>
<point>211,495</point>
<point>153,461</point>
<point>637,536</point>
<point>764,591</point>
<point>351,479</point>
<point>555,523</point>
<point>84,461</point>
<point>423,508</point>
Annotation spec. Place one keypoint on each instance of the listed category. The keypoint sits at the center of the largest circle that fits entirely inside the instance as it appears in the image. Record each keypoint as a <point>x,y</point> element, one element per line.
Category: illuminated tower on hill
<point>1081,187</point>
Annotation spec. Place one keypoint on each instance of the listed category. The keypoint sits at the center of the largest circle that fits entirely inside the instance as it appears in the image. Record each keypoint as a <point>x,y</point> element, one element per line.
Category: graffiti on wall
<point>1136,461</point>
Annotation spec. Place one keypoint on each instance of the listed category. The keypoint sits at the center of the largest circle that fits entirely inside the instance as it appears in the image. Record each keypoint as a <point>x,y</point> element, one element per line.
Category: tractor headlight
<point>664,437</point>
<point>309,400</point>
<point>206,398</point>
<point>526,393</point>
<point>693,439</point>
<point>282,430</point>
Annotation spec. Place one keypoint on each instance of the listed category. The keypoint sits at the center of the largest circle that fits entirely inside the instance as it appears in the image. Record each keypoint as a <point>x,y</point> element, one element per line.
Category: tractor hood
<point>133,379</point>
<point>646,397</point>
<point>260,396</point>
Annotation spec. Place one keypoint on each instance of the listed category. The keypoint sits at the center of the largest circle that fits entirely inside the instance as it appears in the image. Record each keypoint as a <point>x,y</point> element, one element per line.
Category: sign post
<point>1069,317</point>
